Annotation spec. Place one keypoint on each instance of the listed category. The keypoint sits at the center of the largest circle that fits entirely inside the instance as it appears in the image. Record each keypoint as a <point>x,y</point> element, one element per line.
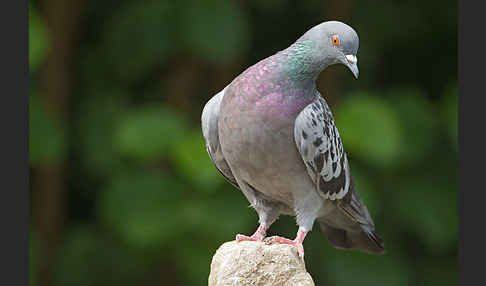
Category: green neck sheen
<point>301,65</point>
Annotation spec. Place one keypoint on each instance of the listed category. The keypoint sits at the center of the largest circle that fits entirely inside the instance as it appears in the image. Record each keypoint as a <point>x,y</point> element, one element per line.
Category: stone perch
<point>257,263</point>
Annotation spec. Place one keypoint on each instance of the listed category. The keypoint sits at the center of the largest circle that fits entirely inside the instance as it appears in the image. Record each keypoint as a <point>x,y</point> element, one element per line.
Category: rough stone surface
<point>257,263</point>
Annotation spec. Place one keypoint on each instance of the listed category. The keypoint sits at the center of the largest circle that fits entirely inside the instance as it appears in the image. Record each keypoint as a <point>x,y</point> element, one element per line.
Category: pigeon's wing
<point>209,121</point>
<point>319,144</point>
<point>349,224</point>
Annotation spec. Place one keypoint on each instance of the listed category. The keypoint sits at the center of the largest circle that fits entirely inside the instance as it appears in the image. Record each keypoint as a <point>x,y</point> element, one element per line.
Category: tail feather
<point>348,224</point>
<point>364,239</point>
<point>377,244</point>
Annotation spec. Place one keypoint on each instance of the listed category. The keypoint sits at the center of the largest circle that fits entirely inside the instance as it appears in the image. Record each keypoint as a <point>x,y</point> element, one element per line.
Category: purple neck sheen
<point>293,69</point>
<point>282,84</point>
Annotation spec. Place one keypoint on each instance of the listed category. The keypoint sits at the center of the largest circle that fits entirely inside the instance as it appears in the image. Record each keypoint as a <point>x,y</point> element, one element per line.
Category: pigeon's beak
<point>352,63</point>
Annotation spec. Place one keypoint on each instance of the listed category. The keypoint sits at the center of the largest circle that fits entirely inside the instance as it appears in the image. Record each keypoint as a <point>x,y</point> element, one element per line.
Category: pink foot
<point>241,237</point>
<point>297,242</point>
<point>259,235</point>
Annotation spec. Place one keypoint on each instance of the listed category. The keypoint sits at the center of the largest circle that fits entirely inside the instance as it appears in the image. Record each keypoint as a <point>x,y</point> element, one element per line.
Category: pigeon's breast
<point>268,95</point>
<point>256,132</point>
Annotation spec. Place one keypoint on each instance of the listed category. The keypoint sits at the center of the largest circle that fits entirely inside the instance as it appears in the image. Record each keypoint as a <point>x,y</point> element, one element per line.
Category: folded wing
<point>319,144</point>
<point>209,121</point>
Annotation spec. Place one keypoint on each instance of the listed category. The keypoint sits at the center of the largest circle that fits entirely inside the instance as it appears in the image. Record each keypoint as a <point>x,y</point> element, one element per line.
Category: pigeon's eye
<point>335,40</point>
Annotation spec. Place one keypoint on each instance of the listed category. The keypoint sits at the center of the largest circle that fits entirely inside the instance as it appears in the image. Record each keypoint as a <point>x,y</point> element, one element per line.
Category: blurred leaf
<point>212,220</point>
<point>438,271</point>
<point>97,119</point>
<point>149,132</point>
<point>46,136</point>
<point>193,162</point>
<point>139,37</point>
<point>370,129</point>
<point>215,29</point>
<point>89,259</point>
<point>419,121</point>
<point>390,14</point>
<point>222,215</point>
<point>195,260</point>
<point>428,206</point>
<point>38,39</point>
<point>367,192</point>
<point>136,206</point>
<point>450,114</point>
<point>354,268</point>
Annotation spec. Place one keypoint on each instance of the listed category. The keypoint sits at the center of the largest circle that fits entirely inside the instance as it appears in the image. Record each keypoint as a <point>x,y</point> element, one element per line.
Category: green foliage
<point>434,216</point>
<point>376,270</point>
<point>214,29</point>
<point>149,132</point>
<point>138,37</point>
<point>38,39</point>
<point>110,263</point>
<point>136,207</point>
<point>450,113</point>
<point>46,135</point>
<point>193,163</point>
<point>370,129</point>
<point>95,129</point>
<point>419,123</point>
<point>144,203</point>
<point>369,193</point>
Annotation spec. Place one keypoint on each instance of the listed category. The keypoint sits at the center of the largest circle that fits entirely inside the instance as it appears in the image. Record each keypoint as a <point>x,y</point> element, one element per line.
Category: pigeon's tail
<point>364,239</point>
<point>349,225</point>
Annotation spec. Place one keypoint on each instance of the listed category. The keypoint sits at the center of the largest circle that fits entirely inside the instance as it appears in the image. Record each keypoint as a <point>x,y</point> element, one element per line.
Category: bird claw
<point>254,237</point>
<point>259,234</point>
<point>282,240</point>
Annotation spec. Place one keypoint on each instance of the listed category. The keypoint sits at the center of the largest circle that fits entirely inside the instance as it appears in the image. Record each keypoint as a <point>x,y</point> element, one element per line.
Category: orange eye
<point>335,40</point>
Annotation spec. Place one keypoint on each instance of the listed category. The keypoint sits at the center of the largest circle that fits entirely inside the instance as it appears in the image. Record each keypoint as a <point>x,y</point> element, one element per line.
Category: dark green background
<point>122,190</point>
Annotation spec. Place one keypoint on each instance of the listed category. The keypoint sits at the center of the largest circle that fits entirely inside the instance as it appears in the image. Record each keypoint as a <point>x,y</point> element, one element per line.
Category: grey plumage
<point>319,144</point>
<point>209,121</point>
<point>272,135</point>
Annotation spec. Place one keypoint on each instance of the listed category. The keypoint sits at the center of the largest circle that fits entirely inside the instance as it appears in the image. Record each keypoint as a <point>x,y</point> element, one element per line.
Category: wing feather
<point>320,146</point>
<point>349,225</point>
<point>209,122</point>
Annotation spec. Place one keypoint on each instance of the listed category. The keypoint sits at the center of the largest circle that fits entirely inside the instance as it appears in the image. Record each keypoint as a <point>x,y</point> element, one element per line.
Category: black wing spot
<point>334,185</point>
<point>317,142</point>
<point>304,135</point>
<point>319,161</point>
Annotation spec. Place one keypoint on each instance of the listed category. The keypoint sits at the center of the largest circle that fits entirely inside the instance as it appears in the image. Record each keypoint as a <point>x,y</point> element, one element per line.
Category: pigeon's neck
<point>301,63</point>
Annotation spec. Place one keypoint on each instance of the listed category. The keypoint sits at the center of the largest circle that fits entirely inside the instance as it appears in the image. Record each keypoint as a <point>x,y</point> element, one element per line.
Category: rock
<point>257,263</point>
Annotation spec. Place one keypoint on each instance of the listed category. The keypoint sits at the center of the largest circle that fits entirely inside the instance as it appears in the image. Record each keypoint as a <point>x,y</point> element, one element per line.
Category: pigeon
<point>272,135</point>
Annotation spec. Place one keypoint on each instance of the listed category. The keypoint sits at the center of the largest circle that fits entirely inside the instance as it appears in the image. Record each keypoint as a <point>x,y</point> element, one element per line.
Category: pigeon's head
<point>336,43</point>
